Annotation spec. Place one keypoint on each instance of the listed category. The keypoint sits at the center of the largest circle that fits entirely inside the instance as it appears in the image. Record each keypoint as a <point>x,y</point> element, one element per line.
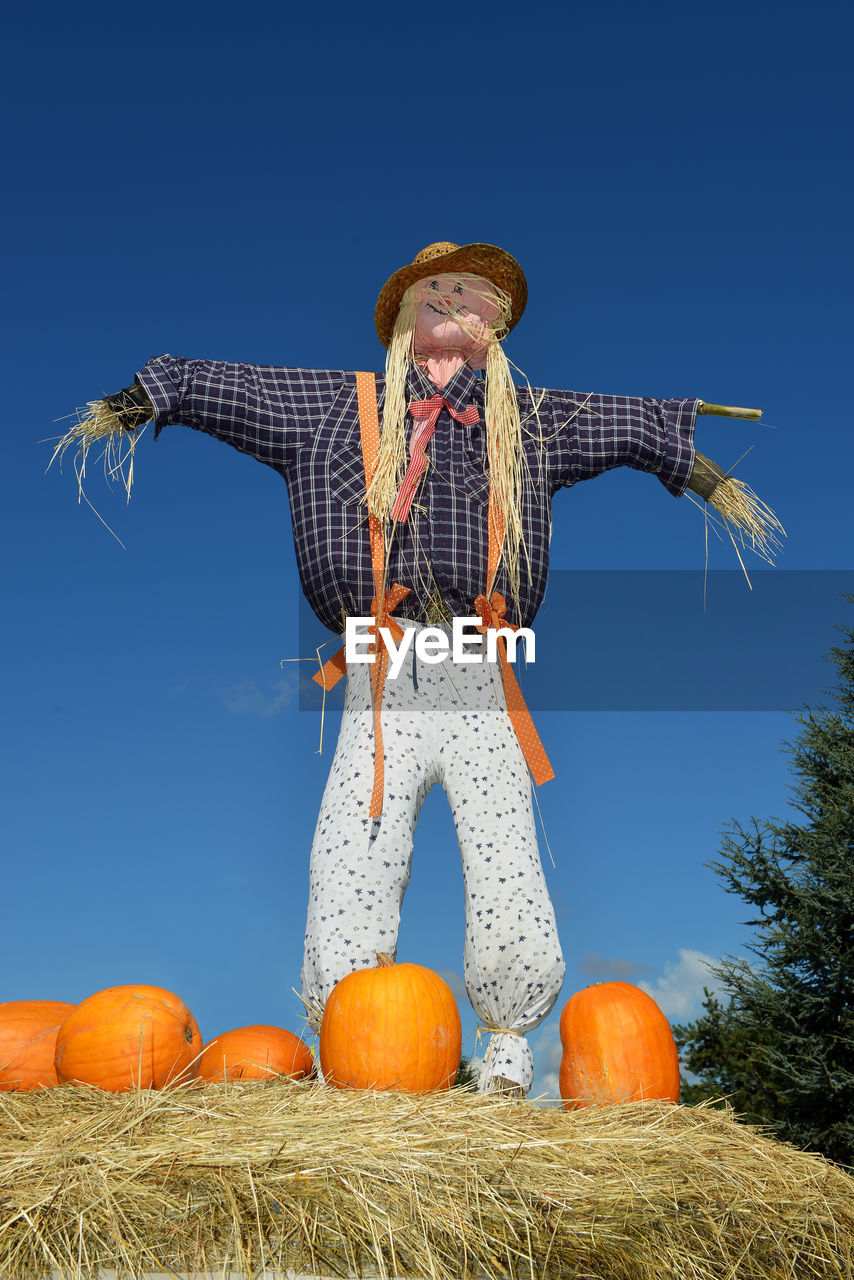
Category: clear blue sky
<point>237,183</point>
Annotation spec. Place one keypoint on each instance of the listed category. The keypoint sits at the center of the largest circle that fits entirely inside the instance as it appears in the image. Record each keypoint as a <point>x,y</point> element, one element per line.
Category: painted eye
<point>458,288</point>
<point>434,284</point>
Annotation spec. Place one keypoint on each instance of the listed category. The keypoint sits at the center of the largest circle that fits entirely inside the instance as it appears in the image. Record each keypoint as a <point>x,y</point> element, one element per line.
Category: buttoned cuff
<point>163,392</point>
<point>679,458</point>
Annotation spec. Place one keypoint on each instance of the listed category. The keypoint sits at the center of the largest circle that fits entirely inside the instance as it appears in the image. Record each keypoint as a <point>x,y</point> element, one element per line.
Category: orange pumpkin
<point>127,1037</point>
<point>394,1027</point>
<point>255,1053</point>
<point>28,1031</point>
<point>617,1047</point>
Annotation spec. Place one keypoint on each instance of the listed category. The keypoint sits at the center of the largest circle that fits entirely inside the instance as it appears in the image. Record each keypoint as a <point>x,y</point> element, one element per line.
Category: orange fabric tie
<point>332,671</point>
<point>492,617</point>
<point>379,671</point>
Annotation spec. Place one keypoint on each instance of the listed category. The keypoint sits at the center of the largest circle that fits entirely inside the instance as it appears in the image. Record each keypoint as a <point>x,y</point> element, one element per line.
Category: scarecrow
<point>416,498</point>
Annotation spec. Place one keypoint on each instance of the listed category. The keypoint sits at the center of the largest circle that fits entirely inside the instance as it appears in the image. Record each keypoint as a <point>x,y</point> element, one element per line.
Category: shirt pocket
<point>474,481</point>
<point>346,477</point>
<point>476,489</point>
<point>471,479</point>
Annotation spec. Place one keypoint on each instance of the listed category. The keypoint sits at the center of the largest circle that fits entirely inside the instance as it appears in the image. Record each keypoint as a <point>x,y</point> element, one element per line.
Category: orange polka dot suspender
<point>492,610</point>
<point>491,613</point>
<point>382,603</point>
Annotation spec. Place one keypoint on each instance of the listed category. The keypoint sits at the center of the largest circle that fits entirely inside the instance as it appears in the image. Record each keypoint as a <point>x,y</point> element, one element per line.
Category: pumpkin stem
<point>384,960</point>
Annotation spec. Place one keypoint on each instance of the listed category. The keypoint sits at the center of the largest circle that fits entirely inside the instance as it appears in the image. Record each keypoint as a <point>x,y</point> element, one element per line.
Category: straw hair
<point>252,1177</point>
<point>391,458</point>
<point>504,452</point>
<point>501,411</point>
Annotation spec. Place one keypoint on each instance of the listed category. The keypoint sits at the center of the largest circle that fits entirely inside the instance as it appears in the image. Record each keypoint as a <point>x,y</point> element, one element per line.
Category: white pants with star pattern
<point>444,723</point>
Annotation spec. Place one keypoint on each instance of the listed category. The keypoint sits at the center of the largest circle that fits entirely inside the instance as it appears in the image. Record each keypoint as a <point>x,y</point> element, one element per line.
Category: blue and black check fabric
<point>304,423</point>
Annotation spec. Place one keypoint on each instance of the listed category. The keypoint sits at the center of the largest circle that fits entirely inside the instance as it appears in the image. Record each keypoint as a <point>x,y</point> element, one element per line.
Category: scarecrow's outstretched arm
<point>133,409</point>
<point>265,411</point>
<point>594,433</point>
<point>257,410</point>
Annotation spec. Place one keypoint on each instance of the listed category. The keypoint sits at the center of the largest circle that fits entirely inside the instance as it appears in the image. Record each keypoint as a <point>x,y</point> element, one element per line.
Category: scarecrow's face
<point>454,314</point>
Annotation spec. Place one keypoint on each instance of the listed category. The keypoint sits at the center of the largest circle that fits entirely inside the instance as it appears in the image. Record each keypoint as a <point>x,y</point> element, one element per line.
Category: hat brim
<point>485,260</point>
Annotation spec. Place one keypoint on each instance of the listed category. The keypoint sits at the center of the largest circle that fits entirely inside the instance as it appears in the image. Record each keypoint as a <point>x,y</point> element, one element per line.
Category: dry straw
<point>255,1177</point>
<point>754,523</point>
<point>97,426</point>
<point>733,506</point>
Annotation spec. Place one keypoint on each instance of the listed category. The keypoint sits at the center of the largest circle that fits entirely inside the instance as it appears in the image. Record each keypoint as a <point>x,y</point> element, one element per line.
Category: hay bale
<point>254,1177</point>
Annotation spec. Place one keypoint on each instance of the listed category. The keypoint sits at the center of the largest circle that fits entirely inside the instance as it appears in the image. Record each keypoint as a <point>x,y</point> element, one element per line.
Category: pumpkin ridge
<point>428,1019</point>
<point>413,1061</point>
<point>374,993</point>
<point>408,1051</point>
<point>435,1017</point>
<point>416,1056</point>
<point>358,1055</point>
<point>435,1021</point>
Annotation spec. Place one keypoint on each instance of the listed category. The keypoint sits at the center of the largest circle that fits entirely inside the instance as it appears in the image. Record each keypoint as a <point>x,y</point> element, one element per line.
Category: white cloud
<point>593,965</point>
<point>249,699</point>
<point>679,991</point>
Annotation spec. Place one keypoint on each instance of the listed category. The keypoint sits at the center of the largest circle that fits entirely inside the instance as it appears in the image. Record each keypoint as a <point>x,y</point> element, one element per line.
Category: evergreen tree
<point>783,1046</point>
<point>722,1050</point>
<point>467,1075</point>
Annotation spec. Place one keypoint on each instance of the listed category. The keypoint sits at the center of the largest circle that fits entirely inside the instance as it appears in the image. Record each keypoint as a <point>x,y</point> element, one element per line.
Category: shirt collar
<point>463,389</point>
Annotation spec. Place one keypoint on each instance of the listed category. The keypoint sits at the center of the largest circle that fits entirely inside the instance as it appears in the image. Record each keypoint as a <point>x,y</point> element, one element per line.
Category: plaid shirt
<point>304,423</point>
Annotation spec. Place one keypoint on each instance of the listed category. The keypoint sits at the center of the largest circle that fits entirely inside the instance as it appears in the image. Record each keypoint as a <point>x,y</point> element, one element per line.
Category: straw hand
<point>131,406</point>
<point>738,507</point>
<point>705,476</point>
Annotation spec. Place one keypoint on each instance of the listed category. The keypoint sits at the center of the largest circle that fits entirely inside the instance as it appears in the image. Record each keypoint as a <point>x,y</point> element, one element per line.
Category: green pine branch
<point>782,1048</point>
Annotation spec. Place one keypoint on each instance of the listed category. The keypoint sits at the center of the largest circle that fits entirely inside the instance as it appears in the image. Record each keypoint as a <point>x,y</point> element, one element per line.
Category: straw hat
<point>445,257</point>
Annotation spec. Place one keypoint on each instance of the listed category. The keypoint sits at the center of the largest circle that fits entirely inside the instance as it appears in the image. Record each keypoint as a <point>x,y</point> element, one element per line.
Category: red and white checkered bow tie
<point>425,414</point>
